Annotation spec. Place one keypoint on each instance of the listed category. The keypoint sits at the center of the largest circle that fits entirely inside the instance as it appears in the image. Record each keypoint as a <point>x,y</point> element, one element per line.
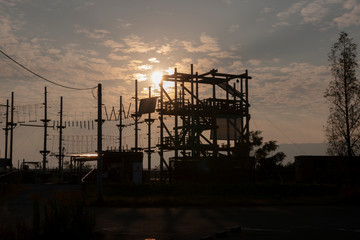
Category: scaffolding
<point>201,124</point>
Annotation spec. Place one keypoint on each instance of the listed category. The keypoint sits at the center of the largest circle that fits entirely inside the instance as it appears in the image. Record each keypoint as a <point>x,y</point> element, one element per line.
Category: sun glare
<point>156,77</point>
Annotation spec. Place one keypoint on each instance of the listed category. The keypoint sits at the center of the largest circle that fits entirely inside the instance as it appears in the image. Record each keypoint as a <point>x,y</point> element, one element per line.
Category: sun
<point>156,77</point>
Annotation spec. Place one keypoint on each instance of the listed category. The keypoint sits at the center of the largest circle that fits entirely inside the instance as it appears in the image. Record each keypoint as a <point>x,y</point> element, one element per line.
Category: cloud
<point>11,3</point>
<point>164,49</point>
<point>223,55</point>
<point>334,1</point>
<point>255,62</point>
<point>114,56</point>
<point>314,12</point>
<point>351,18</point>
<point>349,4</point>
<point>276,60</point>
<point>145,67</point>
<point>135,45</point>
<point>94,34</point>
<point>295,86</point>
<point>153,60</point>
<point>140,77</point>
<point>53,51</point>
<point>184,65</point>
<point>97,60</point>
<point>236,65</point>
<point>85,6</point>
<point>266,10</point>
<point>233,28</point>
<point>115,46</point>
<point>123,24</point>
<point>8,27</point>
<point>205,64</point>
<point>208,44</point>
<point>296,7</point>
<point>280,24</point>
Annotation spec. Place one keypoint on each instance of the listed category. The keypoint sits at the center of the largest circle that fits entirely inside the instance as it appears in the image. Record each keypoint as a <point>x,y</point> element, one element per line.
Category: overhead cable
<point>43,78</point>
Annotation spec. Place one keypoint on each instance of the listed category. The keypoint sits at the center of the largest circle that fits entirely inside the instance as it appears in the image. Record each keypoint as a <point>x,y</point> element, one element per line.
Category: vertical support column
<point>45,152</point>
<point>197,112</point>
<point>242,110</point>
<point>7,129</point>
<point>183,116</point>
<point>247,108</point>
<point>120,125</point>
<point>45,131</point>
<point>149,121</point>
<point>193,126</point>
<point>99,147</point>
<point>61,127</point>
<point>136,115</point>
<point>214,126</point>
<point>235,118</point>
<point>161,131</point>
<point>12,125</point>
<point>227,119</point>
<point>176,141</point>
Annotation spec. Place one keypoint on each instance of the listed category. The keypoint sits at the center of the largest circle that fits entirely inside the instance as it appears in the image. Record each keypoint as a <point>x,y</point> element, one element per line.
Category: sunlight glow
<point>156,77</point>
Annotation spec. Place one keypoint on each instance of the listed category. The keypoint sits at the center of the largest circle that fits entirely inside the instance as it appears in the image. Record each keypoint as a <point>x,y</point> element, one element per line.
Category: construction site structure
<point>209,136</point>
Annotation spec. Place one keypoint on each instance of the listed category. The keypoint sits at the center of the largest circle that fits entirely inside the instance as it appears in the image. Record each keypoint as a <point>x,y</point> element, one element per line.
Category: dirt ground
<point>220,222</point>
<point>273,222</point>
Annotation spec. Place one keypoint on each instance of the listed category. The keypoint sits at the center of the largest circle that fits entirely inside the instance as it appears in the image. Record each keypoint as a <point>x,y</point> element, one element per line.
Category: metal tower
<point>209,136</point>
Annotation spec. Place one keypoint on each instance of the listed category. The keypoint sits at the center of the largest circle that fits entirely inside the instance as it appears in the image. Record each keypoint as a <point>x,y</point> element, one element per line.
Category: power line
<point>43,78</point>
<point>280,131</point>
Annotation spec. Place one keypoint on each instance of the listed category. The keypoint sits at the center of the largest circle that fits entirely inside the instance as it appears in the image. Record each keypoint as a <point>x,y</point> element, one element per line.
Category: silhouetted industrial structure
<point>209,134</point>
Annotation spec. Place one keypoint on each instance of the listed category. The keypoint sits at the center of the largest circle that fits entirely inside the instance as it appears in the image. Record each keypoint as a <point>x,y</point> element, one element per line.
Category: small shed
<point>116,166</point>
<point>123,166</point>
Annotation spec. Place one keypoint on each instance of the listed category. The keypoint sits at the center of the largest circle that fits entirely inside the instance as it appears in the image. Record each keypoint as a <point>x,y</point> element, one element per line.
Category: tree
<point>266,160</point>
<point>343,96</point>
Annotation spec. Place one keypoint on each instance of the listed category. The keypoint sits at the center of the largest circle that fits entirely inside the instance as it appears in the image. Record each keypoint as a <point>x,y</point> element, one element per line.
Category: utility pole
<point>136,116</point>
<point>99,147</point>
<point>120,125</point>
<point>45,152</point>
<point>161,131</point>
<point>149,121</point>
<point>61,127</point>
<point>12,126</point>
<point>6,128</point>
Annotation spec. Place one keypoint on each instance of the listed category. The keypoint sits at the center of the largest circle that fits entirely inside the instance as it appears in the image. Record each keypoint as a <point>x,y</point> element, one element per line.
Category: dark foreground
<point>278,222</point>
<point>220,221</point>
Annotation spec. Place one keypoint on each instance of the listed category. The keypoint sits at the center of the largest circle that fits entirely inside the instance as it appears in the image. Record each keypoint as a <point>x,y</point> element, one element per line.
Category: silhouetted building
<point>123,166</point>
<point>117,166</point>
<point>5,162</point>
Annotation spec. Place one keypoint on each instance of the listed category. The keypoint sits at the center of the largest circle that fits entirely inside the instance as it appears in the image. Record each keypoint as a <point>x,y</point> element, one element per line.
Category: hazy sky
<point>79,43</point>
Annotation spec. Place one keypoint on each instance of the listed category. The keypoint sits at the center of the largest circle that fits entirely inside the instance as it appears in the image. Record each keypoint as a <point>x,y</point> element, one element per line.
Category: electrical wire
<point>43,78</point>
<point>280,131</point>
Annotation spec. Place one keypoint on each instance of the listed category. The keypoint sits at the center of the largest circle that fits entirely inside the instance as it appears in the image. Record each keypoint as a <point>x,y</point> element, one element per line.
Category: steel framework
<point>195,135</point>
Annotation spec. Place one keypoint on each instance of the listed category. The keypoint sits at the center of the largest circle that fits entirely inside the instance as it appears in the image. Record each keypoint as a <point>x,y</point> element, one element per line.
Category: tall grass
<point>62,216</point>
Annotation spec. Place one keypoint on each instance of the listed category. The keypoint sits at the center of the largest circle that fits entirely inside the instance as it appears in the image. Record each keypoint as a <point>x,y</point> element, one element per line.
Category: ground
<point>295,221</point>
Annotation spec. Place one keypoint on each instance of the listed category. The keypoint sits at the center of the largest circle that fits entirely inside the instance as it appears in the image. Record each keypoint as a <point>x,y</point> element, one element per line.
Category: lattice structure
<point>207,133</point>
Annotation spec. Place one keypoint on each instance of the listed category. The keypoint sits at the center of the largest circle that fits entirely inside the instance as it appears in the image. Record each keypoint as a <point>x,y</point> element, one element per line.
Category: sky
<point>283,44</point>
